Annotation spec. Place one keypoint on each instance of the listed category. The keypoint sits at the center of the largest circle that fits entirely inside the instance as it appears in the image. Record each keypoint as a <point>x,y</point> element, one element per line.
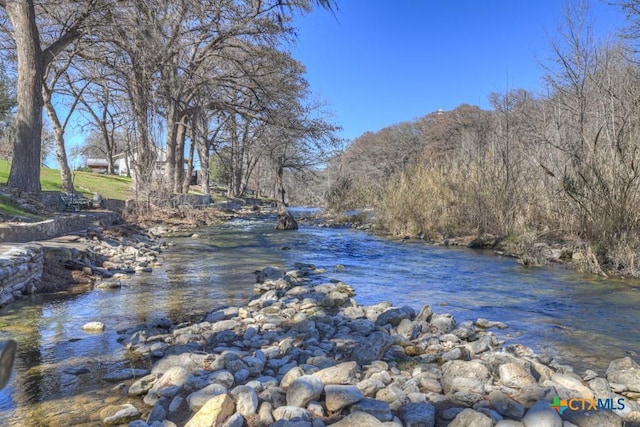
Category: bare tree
<point>61,25</point>
<point>54,71</point>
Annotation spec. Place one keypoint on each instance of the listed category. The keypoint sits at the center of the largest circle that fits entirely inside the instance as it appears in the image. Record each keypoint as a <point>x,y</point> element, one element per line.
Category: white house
<point>123,163</point>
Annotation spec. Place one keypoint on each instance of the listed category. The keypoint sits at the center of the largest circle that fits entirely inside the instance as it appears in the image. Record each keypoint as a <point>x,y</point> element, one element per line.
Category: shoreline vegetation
<point>547,172</point>
<point>532,250</point>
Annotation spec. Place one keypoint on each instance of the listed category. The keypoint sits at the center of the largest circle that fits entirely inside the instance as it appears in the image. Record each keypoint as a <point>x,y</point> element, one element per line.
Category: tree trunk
<point>280,186</point>
<point>199,136</point>
<point>181,136</point>
<point>25,167</point>
<point>204,168</point>
<point>186,182</point>
<point>143,159</point>
<point>61,154</point>
<point>172,142</point>
<point>109,144</point>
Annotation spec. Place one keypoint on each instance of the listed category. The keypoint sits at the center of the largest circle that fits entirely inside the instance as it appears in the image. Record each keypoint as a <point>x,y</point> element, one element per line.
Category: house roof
<point>97,162</point>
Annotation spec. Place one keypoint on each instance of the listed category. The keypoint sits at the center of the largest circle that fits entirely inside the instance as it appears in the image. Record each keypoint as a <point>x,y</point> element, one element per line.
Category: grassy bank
<point>88,183</point>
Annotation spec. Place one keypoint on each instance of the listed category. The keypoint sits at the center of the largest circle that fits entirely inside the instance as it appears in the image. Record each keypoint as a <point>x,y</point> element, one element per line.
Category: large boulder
<point>625,371</point>
<point>372,348</point>
<point>114,415</point>
<point>286,221</point>
<point>515,375</point>
<point>469,417</point>
<point>343,373</point>
<point>341,396</point>
<point>542,415</point>
<point>461,369</point>
<point>303,390</point>
<point>419,415</point>
<point>214,412</point>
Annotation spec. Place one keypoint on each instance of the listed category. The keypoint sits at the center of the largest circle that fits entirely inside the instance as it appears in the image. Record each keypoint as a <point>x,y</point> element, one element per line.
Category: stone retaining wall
<point>64,224</point>
<point>20,266</point>
<point>22,263</point>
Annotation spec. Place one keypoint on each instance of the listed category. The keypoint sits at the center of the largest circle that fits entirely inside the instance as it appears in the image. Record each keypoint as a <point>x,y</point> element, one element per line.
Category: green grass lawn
<point>109,186</point>
<point>9,209</point>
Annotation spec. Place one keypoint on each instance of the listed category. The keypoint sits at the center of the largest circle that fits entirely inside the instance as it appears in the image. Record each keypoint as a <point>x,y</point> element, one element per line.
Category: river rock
<point>158,412</point>
<point>505,406</point>
<point>341,396</point>
<point>394,316</point>
<point>290,376</point>
<point>377,408</point>
<point>515,375</point>
<point>542,415</point>
<point>597,418</point>
<point>625,371</point>
<point>214,412</point>
<point>246,400</point>
<point>443,323</point>
<point>358,419</point>
<point>198,399</point>
<point>487,324</point>
<point>265,414</point>
<point>143,385</point>
<point>235,420</point>
<point>114,415</point>
<point>370,386</point>
<point>269,274</point>
<point>343,373</point>
<point>472,385</point>
<point>291,412</point>
<point>573,383</point>
<point>303,390</point>
<point>187,360</point>
<point>461,369</point>
<point>469,417</point>
<point>393,395</point>
<point>76,370</point>
<point>372,348</point>
<point>408,329</point>
<point>425,314</point>
<point>125,374</point>
<point>418,415</point>
<point>373,311</point>
<point>93,327</point>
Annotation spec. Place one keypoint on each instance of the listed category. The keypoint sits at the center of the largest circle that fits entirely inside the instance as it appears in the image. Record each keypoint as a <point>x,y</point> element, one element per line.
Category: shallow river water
<point>584,321</point>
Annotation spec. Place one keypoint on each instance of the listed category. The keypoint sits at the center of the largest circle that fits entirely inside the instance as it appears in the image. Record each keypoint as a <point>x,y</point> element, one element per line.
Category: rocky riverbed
<point>101,256</point>
<point>304,353</point>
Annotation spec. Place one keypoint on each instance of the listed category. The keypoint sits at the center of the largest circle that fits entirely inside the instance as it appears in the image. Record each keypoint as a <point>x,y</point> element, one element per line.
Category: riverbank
<point>303,352</point>
<point>202,271</point>
<point>530,250</point>
<point>97,247</point>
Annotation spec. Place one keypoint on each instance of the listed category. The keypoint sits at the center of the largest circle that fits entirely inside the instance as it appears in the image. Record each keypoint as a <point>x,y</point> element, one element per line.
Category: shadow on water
<point>583,320</point>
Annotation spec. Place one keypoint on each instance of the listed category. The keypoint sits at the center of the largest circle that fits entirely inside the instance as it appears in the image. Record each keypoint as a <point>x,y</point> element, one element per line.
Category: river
<point>582,320</point>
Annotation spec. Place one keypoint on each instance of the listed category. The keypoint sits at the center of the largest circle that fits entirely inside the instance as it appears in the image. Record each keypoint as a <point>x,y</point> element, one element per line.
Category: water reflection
<point>584,320</point>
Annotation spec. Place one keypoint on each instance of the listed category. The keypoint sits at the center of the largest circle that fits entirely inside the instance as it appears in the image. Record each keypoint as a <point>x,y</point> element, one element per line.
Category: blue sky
<point>380,62</point>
